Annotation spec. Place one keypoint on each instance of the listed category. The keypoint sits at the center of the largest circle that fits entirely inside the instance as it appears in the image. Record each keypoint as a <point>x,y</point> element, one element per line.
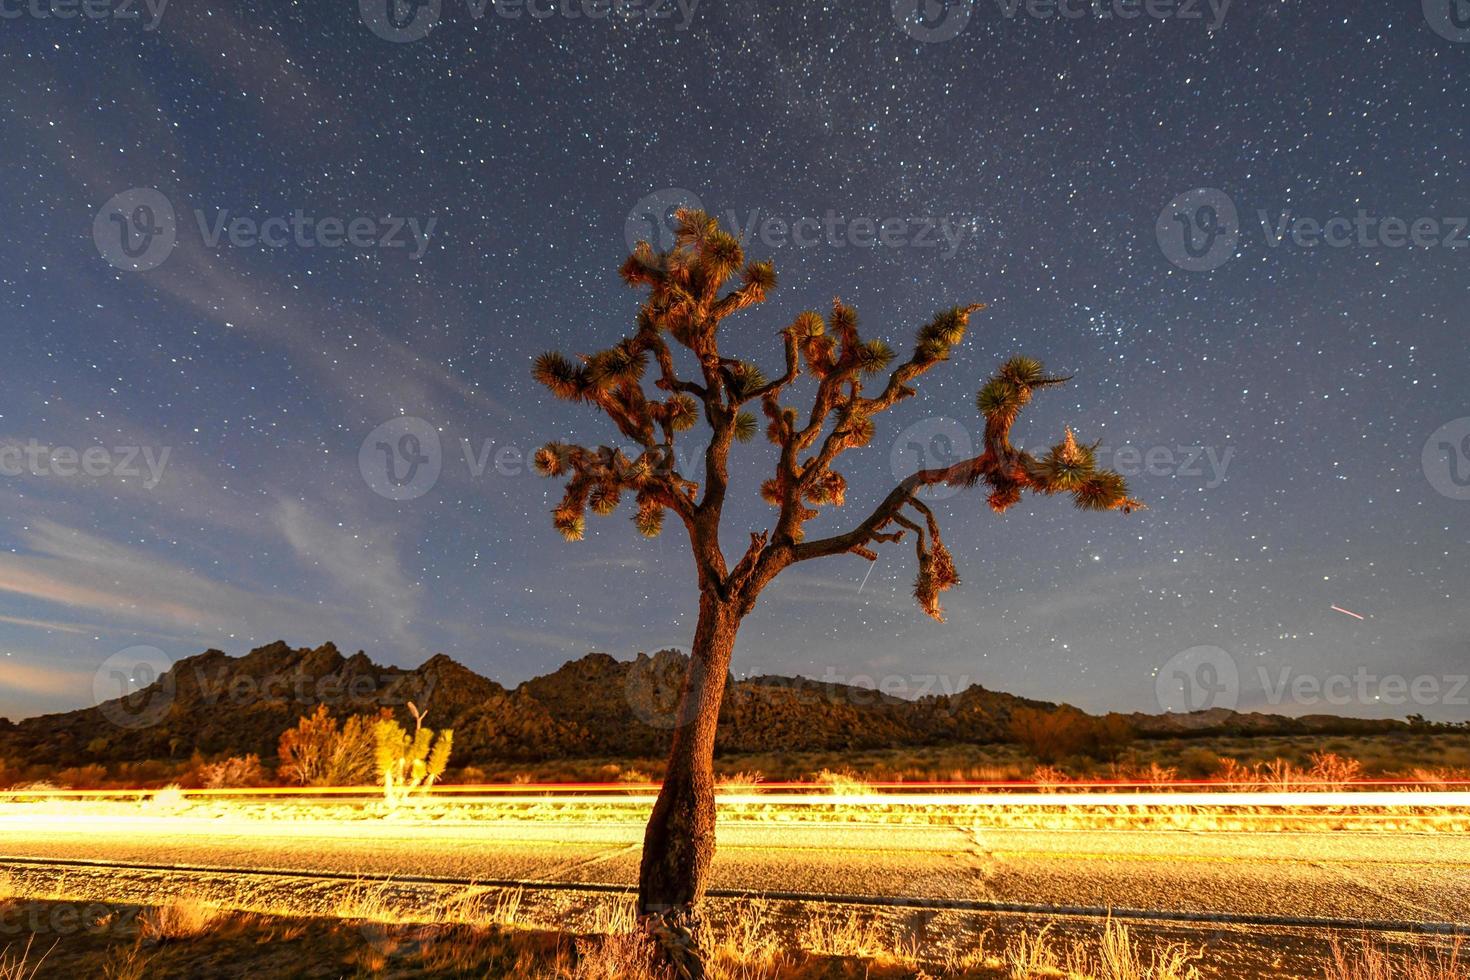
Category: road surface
<point>1374,876</point>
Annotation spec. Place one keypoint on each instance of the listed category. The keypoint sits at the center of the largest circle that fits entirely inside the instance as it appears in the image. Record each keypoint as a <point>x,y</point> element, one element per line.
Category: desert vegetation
<point>1426,758</point>
<point>369,935</point>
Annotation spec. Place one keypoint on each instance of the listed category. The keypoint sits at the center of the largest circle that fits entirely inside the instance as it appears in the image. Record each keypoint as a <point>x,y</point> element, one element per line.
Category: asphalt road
<point>1360,876</point>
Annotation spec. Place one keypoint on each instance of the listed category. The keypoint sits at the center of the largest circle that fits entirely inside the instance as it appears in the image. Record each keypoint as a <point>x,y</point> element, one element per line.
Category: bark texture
<point>680,840</point>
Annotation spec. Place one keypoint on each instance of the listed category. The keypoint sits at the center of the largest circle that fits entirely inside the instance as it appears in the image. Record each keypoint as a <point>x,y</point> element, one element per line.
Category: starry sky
<point>1295,417</point>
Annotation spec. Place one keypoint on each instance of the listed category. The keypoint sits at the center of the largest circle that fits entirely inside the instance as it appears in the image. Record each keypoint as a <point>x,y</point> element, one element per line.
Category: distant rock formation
<point>593,706</point>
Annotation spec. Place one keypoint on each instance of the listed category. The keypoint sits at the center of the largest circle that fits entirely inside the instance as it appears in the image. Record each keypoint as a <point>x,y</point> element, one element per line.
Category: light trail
<point>1364,799</point>
<point>992,791</point>
<point>1348,612</point>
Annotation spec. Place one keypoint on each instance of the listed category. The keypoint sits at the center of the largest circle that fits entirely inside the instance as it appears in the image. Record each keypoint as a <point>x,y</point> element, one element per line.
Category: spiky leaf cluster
<point>690,289</point>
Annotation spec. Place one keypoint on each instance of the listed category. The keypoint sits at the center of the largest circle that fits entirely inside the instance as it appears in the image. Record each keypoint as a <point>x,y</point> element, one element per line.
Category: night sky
<point>1295,417</point>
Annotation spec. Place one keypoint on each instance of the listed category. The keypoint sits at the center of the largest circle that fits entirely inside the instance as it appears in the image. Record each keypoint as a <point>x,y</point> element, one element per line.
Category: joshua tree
<point>687,301</point>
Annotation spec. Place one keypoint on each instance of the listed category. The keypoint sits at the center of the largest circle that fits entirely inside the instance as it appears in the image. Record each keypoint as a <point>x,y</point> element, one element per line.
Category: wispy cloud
<point>359,565</point>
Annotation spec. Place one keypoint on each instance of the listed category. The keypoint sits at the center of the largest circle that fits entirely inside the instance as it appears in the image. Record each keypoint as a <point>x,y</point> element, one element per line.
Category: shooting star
<point>1348,612</point>
<point>865,577</point>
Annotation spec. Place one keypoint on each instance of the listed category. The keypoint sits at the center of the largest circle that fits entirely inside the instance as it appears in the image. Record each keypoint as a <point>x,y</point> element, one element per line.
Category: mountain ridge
<point>595,705</point>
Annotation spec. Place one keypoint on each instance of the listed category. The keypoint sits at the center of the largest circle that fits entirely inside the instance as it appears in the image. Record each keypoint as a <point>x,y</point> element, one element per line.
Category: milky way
<point>239,241</point>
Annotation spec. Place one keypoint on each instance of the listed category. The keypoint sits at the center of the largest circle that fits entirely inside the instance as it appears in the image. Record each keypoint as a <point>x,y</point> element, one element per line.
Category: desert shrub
<point>304,750</point>
<point>1048,777</point>
<point>183,917</point>
<point>149,772</point>
<point>842,782</point>
<point>1051,736</point>
<point>351,760</point>
<point>469,776</point>
<point>231,773</point>
<point>1197,762</point>
<point>319,753</point>
<point>1232,771</point>
<point>745,781</point>
<point>1111,734</point>
<point>83,777</point>
<point>1333,770</point>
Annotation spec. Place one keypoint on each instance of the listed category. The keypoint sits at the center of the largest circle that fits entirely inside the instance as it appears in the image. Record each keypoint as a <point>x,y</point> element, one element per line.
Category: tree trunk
<point>680,839</point>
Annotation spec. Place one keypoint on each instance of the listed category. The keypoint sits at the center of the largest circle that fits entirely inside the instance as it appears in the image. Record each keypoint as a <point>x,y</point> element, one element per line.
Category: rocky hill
<point>595,706</point>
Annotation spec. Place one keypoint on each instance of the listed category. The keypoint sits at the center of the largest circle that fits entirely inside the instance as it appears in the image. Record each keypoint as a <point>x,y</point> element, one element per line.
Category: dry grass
<point>973,957</point>
<point>1113,955</point>
<point>857,936</point>
<point>127,963</point>
<point>745,948</point>
<point>842,782</point>
<point>739,782</point>
<point>368,902</point>
<point>486,933</point>
<point>1032,955</point>
<point>1365,959</point>
<point>617,956</point>
<point>17,965</point>
<point>748,947</point>
<point>614,918</point>
<point>1117,957</point>
<point>182,917</point>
